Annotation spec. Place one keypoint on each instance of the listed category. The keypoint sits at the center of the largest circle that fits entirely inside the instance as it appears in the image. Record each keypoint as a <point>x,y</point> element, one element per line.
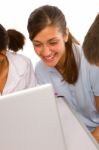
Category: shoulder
<point>18,57</point>
<point>77,50</point>
<point>19,61</point>
<point>41,66</point>
<point>76,47</point>
<point>91,70</point>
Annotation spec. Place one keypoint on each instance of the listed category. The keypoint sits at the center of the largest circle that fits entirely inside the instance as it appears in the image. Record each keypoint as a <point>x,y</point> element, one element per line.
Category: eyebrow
<point>55,38</point>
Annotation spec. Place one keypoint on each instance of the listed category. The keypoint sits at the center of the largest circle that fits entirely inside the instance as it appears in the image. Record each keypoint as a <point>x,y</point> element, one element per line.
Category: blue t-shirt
<point>81,96</point>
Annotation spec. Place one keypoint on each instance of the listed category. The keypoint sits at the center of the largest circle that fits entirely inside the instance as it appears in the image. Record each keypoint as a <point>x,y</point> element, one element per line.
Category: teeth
<point>50,57</point>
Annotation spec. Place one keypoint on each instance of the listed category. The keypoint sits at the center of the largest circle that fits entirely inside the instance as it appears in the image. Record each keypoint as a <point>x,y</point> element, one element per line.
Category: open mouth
<point>50,57</point>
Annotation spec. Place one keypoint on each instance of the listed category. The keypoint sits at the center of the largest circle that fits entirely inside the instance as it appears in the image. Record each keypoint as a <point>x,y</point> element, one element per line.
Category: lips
<point>50,57</point>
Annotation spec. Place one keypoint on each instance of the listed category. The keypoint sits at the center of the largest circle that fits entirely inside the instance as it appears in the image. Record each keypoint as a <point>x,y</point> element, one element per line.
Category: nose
<point>46,50</point>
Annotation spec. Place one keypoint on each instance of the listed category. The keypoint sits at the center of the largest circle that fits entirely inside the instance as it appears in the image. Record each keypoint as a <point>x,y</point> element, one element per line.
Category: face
<point>49,45</point>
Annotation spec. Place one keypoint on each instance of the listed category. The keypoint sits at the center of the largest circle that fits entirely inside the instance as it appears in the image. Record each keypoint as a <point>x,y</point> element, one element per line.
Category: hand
<point>95,133</point>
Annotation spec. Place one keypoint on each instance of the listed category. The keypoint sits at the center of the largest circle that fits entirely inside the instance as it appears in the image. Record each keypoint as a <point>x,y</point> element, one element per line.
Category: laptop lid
<point>29,121</point>
<point>77,136</point>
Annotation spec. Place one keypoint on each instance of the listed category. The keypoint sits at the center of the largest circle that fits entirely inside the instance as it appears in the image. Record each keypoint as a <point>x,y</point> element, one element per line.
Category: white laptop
<point>35,120</point>
<point>29,121</point>
<point>77,136</point>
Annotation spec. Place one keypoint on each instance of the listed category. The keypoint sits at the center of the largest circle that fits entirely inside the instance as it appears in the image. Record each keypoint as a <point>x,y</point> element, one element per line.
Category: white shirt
<point>20,75</point>
<point>81,96</point>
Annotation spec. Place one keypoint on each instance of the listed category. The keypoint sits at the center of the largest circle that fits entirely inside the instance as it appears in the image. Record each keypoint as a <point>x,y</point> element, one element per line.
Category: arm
<point>4,66</point>
<point>97,102</point>
<point>94,86</point>
<point>95,133</point>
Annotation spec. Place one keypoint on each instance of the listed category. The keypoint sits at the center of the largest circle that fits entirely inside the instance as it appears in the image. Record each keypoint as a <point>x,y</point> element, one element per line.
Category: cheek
<point>37,50</point>
<point>56,48</point>
<point>60,48</point>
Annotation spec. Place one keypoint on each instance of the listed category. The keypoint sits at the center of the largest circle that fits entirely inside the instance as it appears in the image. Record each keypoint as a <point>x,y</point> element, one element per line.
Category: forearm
<point>95,134</point>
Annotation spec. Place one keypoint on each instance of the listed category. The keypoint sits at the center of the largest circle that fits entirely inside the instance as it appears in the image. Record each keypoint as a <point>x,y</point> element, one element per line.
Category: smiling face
<point>49,45</point>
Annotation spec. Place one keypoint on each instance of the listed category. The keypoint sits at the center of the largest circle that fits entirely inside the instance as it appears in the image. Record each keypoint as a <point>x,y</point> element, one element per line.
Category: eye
<point>53,42</point>
<point>37,44</point>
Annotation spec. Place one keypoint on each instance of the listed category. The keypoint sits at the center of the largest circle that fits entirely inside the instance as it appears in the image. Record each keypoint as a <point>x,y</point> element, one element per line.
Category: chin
<point>50,64</point>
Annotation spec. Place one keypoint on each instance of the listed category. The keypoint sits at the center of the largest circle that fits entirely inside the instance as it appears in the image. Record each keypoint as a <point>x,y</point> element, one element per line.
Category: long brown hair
<point>52,16</point>
<point>91,42</point>
<point>11,39</point>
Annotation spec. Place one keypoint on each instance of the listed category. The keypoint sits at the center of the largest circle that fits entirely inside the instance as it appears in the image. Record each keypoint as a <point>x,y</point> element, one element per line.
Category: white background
<point>79,16</point>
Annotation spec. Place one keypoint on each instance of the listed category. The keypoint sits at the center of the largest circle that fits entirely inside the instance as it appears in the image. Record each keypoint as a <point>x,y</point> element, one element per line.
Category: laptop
<point>77,136</point>
<point>34,119</point>
<point>29,121</point>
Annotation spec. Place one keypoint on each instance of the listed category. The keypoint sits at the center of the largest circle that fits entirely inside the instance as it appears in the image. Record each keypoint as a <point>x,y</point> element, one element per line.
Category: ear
<point>66,35</point>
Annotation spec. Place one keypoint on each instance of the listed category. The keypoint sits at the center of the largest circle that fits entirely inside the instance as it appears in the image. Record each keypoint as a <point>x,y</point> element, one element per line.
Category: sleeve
<point>94,79</point>
<point>30,75</point>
